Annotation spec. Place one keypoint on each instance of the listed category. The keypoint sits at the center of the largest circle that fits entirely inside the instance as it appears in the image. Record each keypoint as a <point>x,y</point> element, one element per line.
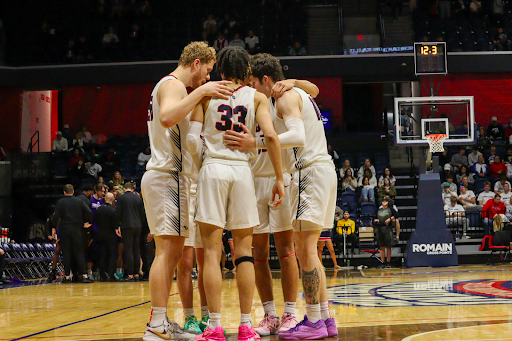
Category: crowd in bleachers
<point>476,182</point>
<point>465,25</point>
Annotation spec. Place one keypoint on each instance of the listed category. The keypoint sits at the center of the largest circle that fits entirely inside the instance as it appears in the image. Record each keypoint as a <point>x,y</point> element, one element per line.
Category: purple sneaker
<point>332,330</point>
<point>306,330</point>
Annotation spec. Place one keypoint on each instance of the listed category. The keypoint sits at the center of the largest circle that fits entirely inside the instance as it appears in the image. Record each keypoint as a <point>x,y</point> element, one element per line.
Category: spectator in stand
<point>387,190</point>
<point>475,7</point>
<point>462,130</point>
<point>143,159</point>
<point>78,172</point>
<point>74,159</point>
<point>480,169</point>
<point>210,26</point>
<point>367,166</point>
<point>220,42</point>
<point>205,39</point>
<point>343,169</point>
<point>367,183</point>
<point>107,239</point>
<point>117,180</point>
<point>60,144</point>
<point>70,55</point>
<point>506,196</point>
<point>464,172</point>
<point>448,193</point>
<point>467,198</point>
<point>456,216</point>
<point>348,182</point>
<point>129,214</point>
<point>92,154</point>
<point>482,139</point>
<point>486,195</point>
<point>499,186</point>
<point>225,25</point>
<point>86,136</point>
<point>78,143</point>
<point>387,174</point>
<point>450,179</point>
<point>497,169</point>
<point>465,181</point>
<point>338,214</point>
<point>459,160</point>
<point>68,135</point>
<point>501,41</point>
<point>297,50</point>
<point>110,162</point>
<point>237,41</point>
<point>490,209</point>
<point>110,39</point>
<point>347,227</point>
<point>334,155</point>
<point>492,155</point>
<point>508,132</point>
<point>447,171</point>
<point>252,43</point>
<point>508,157</point>
<point>384,222</point>
<point>443,160</point>
<point>93,168</point>
<point>494,130</point>
<point>473,156</point>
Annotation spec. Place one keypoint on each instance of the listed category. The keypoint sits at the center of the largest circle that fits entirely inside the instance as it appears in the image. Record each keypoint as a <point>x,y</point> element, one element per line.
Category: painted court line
<point>412,337</point>
<point>84,320</point>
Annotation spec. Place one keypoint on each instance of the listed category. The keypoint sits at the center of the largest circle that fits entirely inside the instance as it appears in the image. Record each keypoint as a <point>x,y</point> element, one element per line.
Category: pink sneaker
<point>268,326</point>
<point>247,334</point>
<point>214,335</point>
<point>288,322</point>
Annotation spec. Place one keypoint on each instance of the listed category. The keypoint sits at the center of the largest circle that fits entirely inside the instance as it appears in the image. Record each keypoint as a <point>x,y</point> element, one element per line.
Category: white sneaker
<point>466,237</point>
<point>169,330</point>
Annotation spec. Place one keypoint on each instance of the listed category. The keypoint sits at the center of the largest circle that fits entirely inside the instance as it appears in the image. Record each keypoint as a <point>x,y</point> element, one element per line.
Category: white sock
<point>270,308</point>
<point>313,312</point>
<point>214,320</point>
<point>324,310</point>
<point>188,312</point>
<point>157,316</point>
<point>204,311</point>
<point>289,308</point>
<point>246,320</point>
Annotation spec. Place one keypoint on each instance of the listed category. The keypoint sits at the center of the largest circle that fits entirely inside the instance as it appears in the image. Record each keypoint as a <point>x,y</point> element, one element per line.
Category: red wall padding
<point>10,113</point>
<point>492,93</point>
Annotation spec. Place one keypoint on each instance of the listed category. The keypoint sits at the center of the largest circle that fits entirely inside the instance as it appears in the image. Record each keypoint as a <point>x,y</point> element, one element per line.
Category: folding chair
<point>488,244</point>
<point>367,243</point>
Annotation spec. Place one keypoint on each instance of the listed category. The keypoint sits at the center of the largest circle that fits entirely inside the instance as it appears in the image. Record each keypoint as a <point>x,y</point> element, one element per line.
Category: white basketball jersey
<point>315,149</point>
<point>168,145</point>
<point>262,166</point>
<point>223,115</point>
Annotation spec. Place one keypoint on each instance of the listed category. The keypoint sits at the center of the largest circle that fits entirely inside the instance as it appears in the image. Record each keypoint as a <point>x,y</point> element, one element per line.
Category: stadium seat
<point>479,185</point>
<point>348,197</point>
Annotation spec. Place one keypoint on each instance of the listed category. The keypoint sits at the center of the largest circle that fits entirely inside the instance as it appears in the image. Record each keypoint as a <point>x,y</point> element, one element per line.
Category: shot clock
<point>430,58</point>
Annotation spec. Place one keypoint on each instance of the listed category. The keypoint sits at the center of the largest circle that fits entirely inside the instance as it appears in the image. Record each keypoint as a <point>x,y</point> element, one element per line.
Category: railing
<point>475,221</point>
<point>33,143</point>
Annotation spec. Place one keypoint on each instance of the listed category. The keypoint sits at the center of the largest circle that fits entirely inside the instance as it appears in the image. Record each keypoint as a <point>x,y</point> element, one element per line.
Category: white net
<point>435,141</point>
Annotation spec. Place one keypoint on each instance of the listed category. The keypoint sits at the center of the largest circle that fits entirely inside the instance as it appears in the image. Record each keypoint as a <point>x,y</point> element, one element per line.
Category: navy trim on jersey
<point>240,87</point>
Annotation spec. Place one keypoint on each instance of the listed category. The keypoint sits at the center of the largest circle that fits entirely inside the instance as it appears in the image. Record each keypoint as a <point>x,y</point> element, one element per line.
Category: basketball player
<point>313,195</point>
<point>272,220</point>
<point>225,191</point>
<point>166,183</point>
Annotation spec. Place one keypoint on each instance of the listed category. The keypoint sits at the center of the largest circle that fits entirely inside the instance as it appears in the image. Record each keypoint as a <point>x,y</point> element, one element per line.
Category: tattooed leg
<point>311,268</point>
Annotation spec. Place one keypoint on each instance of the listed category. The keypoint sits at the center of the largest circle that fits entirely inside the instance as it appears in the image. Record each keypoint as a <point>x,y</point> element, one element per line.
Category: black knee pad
<point>244,259</point>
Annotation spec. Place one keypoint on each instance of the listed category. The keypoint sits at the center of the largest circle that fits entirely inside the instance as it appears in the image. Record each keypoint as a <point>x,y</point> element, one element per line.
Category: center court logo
<point>423,293</point>
<point>434,249</point>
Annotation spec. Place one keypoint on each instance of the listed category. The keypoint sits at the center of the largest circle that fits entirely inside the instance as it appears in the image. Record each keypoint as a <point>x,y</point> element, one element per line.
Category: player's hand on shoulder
<point>217,89</point>
<point>278,193</point>
<point>281,87</point>
<point>242,140</point>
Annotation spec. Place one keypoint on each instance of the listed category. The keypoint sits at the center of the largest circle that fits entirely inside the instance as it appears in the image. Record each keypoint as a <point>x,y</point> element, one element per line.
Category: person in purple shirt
<point>97,200</point>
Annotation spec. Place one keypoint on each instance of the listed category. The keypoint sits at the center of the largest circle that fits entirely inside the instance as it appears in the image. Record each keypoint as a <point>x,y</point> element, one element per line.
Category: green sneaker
<point>204,323</point>
<point>192,325</point>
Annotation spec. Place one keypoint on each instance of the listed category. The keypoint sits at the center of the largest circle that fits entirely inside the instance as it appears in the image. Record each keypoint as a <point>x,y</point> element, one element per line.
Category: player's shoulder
<point>172,84</point>
<point>259,98</point>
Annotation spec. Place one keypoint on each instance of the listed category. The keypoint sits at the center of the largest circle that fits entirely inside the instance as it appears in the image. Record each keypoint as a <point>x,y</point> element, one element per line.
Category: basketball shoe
<point>216,334</point>
<point>192,324</point>
<point>248,334</point>
<point>287,322</point>
<point>306,330</point>
<point>204,323</point>
<point>169,330</point>
<point>268,326</point>
<point>332,330</point>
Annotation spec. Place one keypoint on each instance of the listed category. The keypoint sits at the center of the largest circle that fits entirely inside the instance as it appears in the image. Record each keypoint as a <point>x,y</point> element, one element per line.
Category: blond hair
<point>197,50</point>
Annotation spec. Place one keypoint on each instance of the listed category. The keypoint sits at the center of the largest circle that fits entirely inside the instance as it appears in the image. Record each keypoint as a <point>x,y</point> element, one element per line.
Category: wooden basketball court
<point>458,303</point>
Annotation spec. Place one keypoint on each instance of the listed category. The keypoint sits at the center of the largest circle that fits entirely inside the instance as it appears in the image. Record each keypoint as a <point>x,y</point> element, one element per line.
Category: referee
<point>73,214</point>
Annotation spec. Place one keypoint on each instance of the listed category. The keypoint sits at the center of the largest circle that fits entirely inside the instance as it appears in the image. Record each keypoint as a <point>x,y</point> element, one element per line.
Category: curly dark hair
<point>265,64</point>
<point>233,63</point>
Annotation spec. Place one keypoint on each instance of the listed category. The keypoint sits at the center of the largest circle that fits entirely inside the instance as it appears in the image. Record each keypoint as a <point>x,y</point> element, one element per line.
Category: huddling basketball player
<point>166,183</point>
<point>312,192</point>
<point>225,190</point>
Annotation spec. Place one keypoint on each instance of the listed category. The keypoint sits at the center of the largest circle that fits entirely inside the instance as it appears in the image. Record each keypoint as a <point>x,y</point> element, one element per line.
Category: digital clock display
<point>430,58</point>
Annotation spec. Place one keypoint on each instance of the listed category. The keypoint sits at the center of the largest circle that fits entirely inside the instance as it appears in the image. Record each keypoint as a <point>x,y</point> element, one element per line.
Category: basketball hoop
<point>435,141</point>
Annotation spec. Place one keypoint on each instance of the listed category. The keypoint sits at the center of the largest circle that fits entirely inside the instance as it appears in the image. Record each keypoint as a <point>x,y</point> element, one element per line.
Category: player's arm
<point>273,145</point>
<point>194,143</point>
<point>175,104</point>
<point>283,86</point>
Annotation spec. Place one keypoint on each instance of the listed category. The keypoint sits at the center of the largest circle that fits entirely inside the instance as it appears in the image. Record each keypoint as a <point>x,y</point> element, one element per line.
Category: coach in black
<point>129,212</point>
<point>107,239</point>
<point>73,215</point>
<point>85,196</point>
